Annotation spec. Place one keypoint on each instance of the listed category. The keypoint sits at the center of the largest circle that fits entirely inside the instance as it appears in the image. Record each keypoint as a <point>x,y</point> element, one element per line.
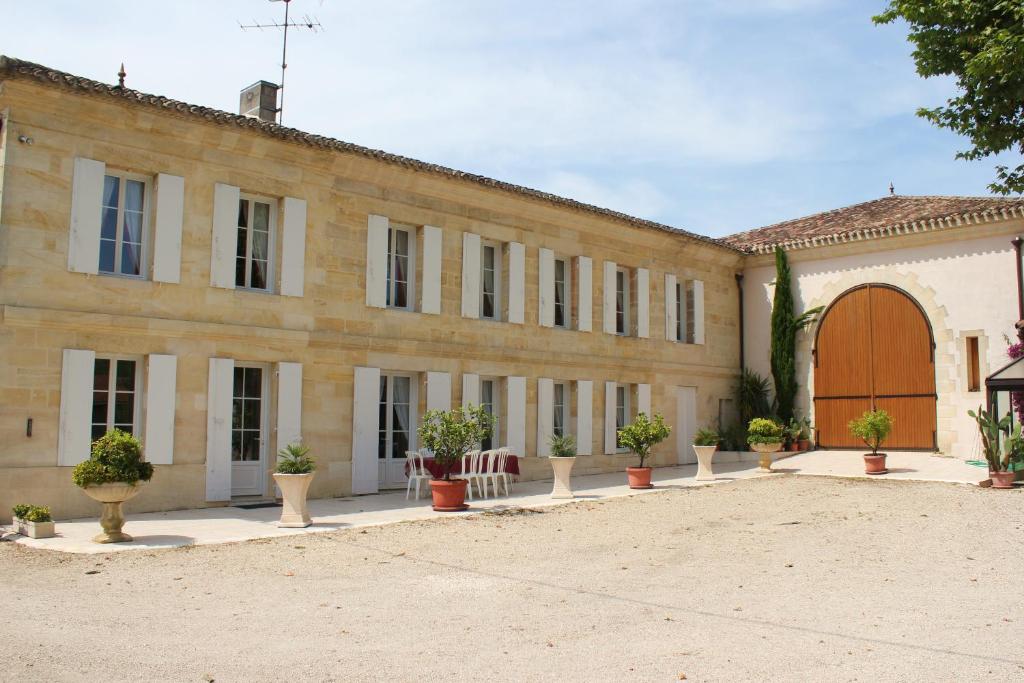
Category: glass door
<point>397,429</point>
<point>248,432</point>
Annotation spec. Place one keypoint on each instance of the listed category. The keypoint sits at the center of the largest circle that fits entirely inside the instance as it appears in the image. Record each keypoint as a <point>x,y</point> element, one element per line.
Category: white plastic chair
<point>471,472</point>
<point>417,472</point>
<point>496,472</point>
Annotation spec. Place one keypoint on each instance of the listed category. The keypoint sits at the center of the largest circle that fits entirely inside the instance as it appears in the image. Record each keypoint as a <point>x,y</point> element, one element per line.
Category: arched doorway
<point>874,350</point>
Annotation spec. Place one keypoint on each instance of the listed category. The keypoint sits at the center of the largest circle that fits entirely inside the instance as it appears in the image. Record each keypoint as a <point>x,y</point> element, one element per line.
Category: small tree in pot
<point>640,437</point>
<point>872,428</point>
<point>293,474</point>
<point>765,436</point>
<point>705,443</point>
<point>448,434</point>
<point>1002,447</point>
<point>112,475</point>
<point>563,457</point>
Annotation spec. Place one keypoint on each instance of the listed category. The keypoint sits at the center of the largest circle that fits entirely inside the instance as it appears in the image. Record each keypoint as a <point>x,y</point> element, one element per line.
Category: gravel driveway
<point>781,578</point>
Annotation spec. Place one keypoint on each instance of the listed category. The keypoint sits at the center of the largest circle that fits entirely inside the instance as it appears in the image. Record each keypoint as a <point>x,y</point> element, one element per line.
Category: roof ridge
<point>22,68</point>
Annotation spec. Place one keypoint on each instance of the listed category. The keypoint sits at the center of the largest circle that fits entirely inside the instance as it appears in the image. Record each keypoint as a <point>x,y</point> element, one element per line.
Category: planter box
<point>34,529</point>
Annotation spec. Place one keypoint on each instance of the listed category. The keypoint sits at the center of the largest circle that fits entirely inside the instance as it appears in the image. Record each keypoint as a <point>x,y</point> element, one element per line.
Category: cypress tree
<point>783,346</point>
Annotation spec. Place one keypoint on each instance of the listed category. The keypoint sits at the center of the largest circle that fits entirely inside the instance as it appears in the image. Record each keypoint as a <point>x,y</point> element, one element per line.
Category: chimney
<point>259,101</point>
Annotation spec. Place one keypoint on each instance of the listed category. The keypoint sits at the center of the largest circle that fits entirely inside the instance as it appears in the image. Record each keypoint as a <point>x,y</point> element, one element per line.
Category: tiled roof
<point>892,215</point>
<point>16,68</point>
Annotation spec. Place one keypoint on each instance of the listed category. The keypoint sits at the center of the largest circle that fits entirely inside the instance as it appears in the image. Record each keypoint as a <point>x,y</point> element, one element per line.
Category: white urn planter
<point>34,529</point>
<point>765,450</point>
<point>112,495</point>
<point>562,467</point>
<point>704,456</point>
<point>294,489</point>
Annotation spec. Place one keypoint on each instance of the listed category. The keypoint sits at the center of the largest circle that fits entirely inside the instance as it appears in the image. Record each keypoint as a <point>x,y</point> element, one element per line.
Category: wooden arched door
<point>874,350</point>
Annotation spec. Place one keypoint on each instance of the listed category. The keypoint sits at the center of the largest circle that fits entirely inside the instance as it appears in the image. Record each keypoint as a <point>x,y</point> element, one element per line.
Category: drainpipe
<point>739,286</point>
<point>1017,242</point>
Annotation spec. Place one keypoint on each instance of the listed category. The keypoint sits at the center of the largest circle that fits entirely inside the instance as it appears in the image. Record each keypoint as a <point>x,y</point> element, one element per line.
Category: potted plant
<point>563,457</point>
<point>1002,447</point>
<point>639,437</point>
<point>793,435</point>
<point>872,428</point>
<point>705,443</point>
<point>448,434</point>
<point>804,439</point>
<point>293,474</point>
<point>113,474</point>
<point>765,437</point>
<point>33,521</point>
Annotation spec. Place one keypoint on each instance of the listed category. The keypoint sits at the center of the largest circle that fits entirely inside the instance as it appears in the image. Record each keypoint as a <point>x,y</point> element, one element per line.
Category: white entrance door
<point>397,429</point>
<point>686,424</point>
<point>249,431</point>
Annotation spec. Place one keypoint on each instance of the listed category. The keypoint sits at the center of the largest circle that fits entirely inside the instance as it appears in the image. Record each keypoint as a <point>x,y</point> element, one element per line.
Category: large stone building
<point>222,286</point>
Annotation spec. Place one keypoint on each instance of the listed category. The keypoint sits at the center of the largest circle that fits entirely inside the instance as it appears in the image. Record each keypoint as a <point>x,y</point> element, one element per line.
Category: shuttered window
<point>256,220</point>
<point>490,281</point>
<point>490,399</point>
<point>116,391</point>
<point>401,268</point>
<point>682,334</point>
<point>123,225</point>
<point>559,408</point>
<point>563,288</point>
<point>621,301</point>
<point>621,411</point>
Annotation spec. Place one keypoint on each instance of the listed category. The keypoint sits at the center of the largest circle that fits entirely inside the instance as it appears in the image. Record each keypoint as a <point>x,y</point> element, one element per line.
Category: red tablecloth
<point>511,467</point>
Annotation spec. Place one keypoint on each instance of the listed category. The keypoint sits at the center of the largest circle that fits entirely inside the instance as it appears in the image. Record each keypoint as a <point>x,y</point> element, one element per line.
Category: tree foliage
<point>872,428</point>
<point>449,434</point>
<point>783,344</point>
<point>643,434</point>
<point>980,43</point>
<point>116,457</point>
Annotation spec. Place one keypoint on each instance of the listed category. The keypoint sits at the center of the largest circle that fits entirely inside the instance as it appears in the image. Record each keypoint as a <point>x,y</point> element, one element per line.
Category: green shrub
<point>294,459</point>
<point>734,437</point>
<point>706,437</point>
<point>763,430</point>
<point>449,434</point>
<point>872,427</point>
<point>116,457</point>
<point>643,434</point>
<point>563,446</point>
<point>752,396</point>
<point>32,513</point>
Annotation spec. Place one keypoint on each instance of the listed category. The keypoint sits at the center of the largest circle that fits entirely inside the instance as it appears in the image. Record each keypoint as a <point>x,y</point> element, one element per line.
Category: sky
<point>708,115</point>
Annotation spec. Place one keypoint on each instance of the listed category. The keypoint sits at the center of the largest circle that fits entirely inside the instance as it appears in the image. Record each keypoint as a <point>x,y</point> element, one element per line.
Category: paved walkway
<point>231,524</point>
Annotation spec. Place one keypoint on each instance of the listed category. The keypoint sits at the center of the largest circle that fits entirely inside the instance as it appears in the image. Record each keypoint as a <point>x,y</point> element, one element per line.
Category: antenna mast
<point>310,23</point>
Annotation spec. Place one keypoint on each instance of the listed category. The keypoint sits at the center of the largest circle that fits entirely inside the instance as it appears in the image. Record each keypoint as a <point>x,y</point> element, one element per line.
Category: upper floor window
<point>115,396</point>
<point>256,225</point>
<point>621,301</point>
<point>490,281</point>
<point>123,225</point>
<point>401,267</point>
<point>563,288</point>
<point>681,317</point>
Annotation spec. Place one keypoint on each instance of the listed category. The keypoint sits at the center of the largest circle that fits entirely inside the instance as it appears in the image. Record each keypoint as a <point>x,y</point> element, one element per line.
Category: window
<point>563,289</point>
<point>401,268</point>
<point>973,365</point>
<point>247,415</point>
<point>621,411</point>
<point>690,311</point>
<point>681,316</point>
<point>255,241</point>
<point>489,399</point>
<point>395,416</point>
<point>621,301</point>
<point>490,281</point>
<point>560,418</point>
<point>115,396</point>
<point>123,225</point>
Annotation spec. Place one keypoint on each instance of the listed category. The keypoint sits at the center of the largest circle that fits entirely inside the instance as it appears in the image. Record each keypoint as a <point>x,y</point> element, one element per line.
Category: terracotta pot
<point>705,454</point>
<point>449,496</point>
<point>639,477</point>
<point>793,447</point>
<point>804,444</point>
<point>294,489</point>
<point>562,469</point>
<point>874,464</point>
<point>112,495</point>
<point>766,450</point>
<point>1001,480</point>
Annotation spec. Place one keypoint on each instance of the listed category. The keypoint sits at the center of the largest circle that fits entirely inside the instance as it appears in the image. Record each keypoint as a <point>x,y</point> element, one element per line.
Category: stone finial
<point>120,76</point>
<point>892,189</point>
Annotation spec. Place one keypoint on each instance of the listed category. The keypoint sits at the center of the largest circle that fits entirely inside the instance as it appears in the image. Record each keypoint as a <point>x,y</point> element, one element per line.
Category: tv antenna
<point>307,22</point>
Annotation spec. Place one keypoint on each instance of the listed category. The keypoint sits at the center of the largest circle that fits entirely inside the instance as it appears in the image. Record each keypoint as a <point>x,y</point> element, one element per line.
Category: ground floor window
<point>560,405</point>
<point>115,396</point>
<point>395,416</point>
<point>621,411</point>
<point>491,402</point>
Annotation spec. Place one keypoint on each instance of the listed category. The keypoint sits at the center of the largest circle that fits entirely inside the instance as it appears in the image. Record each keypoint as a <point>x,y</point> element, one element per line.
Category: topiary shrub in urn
<point>705,443</point>
<point>562,458</point>
<point>449,434</point>
<point>113,474</point>
<point>765,437</point>
<point>293,474</point>
<point>640,437</point>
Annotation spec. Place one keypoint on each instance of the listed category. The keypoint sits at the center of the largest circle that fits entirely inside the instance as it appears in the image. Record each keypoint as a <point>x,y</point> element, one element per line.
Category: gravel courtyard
<point>780,578</point>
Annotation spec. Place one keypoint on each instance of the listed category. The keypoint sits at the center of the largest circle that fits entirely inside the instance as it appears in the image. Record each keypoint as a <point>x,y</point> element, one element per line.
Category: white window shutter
<point>86,214</point>
<point>515,422</point>
<point>220,390</point>
<point>439,391</point>
<point>584,294</point>
<point>168,218</point>
<point>225,238</point>
<point>670,307</point>
<point>609,419</point>
<point>377,263</point>
<point>293,249</point>
<point>161,397</point>
<point>289,404</point>
<point>74,441</point>
<point>643,399</point>
<point>609,296</point>
<point>698,312</point>
<point>584,417</point>
<point>643,303</point>
<point>546,288</point>
<point>545,416</point>
<point>470,389</point>
<point>365,426</point>
<point>516,283</point>
<point>432,251</point>
<point>470,275</point>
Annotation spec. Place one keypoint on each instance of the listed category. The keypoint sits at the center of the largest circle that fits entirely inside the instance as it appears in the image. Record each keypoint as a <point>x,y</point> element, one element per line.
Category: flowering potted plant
<point>705,443</point>
<point>33,521</point>
<point>563,457</point>
<point>1002,446</point>
<point>112,475</point>
<point>765,437</point>
<point>293,474</point>
<point>639,437</point>
<point>872,428</point>
<point>448,434</point>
